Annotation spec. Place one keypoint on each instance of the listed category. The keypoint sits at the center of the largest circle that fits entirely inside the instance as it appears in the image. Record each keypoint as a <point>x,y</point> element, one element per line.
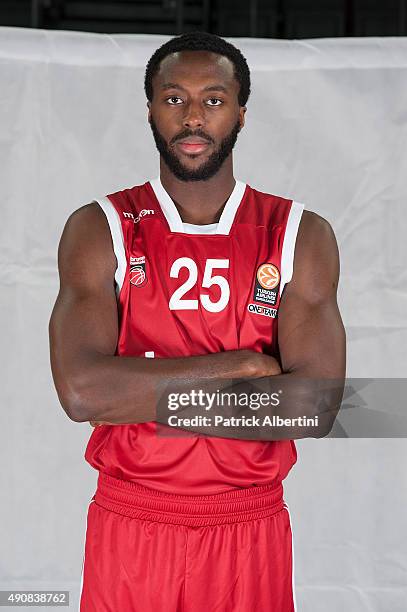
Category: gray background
<point>326,125</point>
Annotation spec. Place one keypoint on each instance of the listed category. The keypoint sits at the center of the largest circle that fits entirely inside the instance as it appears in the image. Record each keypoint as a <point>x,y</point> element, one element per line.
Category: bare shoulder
<point>88,217</point>
<point>314,226</point>
<point>316,258</point>
<point>316,237</point>
<point>87,224</point>
<point>85,247</point>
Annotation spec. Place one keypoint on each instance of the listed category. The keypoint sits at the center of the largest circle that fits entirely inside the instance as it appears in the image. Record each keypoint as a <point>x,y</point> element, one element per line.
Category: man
<point>185,281</point>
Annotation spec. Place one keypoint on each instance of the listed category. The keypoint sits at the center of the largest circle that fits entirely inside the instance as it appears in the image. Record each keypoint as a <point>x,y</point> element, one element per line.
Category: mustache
<point>187,133</point>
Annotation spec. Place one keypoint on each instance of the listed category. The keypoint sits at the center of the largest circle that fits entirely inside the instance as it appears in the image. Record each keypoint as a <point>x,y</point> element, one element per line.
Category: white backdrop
<point>326,125</point>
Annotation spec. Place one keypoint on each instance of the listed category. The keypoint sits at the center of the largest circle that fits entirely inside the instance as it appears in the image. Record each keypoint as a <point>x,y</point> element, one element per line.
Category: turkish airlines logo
<point>142,213</point>
<point>268,276</point>
<point>266,284</point>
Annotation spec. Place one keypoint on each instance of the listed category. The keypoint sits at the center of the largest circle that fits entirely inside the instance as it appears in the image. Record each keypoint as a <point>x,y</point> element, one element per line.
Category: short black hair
<point>201,41</point>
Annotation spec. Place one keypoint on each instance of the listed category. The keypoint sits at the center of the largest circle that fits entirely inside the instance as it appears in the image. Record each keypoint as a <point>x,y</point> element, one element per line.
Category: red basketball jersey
<point>185,290</point>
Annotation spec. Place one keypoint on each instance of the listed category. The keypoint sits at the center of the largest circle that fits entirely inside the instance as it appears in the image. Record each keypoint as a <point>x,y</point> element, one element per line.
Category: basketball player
<point>187,278</point>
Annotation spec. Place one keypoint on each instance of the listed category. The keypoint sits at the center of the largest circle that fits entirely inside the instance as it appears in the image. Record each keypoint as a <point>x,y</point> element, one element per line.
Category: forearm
<point>123,390</point>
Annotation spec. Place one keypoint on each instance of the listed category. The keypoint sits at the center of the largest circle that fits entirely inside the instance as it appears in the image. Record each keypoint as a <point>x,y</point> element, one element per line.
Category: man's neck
<point>199,202</point>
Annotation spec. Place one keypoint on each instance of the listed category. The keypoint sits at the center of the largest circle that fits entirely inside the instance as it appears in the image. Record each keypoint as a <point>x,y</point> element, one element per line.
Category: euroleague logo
<point>268,276</point>
<point>266,284</point>
<point>138,275</point>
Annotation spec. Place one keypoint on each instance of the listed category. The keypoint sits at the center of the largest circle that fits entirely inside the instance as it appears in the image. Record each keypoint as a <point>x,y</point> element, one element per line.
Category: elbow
<point>74,407</point>
<point>73,393</point>
<point>323,422</point>
<point>72,384</point>
<point>327,403</point>
<point>72,399</point>
<point>320,431</point>
<point>77,414</point>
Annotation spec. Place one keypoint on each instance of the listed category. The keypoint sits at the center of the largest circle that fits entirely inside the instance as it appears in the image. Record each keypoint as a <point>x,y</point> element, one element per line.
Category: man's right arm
<point>94,384</point>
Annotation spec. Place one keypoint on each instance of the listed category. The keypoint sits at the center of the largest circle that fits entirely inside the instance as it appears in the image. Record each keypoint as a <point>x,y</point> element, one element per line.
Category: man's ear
<point>149,111</point>
<point>242,112</point>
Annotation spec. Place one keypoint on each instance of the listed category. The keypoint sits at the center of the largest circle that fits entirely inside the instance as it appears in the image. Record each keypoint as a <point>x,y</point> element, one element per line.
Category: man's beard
<point>209,168</point>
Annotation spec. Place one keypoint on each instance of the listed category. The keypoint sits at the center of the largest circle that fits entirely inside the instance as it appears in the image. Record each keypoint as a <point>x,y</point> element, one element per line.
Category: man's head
<point>197,86</point>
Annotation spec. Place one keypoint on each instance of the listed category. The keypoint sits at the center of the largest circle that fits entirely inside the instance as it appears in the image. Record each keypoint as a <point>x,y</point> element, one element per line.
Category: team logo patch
<point>262,310</point>
<point>267,283</point>
<point>138,276</point>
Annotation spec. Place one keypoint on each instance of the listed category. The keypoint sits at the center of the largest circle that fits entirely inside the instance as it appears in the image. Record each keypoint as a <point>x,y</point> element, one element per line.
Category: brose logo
<point>142,213</point>
<point>262,310</point>
<point>138,276</point>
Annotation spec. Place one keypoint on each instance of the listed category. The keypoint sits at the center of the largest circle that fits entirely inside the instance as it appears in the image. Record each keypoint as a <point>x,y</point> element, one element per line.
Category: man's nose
<point>194,116</point>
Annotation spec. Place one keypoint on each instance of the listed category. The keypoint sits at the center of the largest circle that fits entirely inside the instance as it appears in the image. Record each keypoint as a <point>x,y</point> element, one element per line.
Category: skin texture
<point>95,385</point>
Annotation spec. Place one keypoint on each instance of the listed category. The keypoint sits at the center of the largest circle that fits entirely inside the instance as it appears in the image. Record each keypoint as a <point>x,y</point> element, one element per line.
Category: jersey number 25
<point>177,302</point>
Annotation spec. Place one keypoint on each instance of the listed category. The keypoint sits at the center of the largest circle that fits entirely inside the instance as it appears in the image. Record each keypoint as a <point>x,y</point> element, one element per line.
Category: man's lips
<point>193,145</point>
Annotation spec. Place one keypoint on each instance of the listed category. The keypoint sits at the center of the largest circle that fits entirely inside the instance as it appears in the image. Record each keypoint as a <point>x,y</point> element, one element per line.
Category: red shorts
<point>150,551</point>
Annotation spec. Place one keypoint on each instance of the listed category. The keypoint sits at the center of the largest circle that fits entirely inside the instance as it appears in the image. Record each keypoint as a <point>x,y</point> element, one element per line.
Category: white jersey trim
<point>83,557</point>
<point>290,236</point>
<point>190,228</point>
<point>116,232</point>
<point>293,562</point>
<point>175,222</point>
<point>229,212</point>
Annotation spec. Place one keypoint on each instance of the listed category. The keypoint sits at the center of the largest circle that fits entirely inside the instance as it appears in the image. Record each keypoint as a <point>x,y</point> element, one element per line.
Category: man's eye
<point>172,98</point>
<point>216,100</point>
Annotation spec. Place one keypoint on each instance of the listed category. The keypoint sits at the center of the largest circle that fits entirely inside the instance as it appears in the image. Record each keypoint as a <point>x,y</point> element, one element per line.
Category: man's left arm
<point>311,334</point>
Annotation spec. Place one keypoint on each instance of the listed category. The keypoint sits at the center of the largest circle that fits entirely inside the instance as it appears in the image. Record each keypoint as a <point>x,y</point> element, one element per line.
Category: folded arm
<point>92,382</point>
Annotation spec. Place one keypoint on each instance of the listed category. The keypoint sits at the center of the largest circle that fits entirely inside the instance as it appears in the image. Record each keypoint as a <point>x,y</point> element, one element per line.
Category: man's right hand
<point>263,365</point>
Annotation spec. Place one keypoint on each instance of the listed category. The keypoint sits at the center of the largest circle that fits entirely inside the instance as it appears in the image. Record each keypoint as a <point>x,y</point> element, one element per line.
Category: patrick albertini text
<point>254,401</point>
